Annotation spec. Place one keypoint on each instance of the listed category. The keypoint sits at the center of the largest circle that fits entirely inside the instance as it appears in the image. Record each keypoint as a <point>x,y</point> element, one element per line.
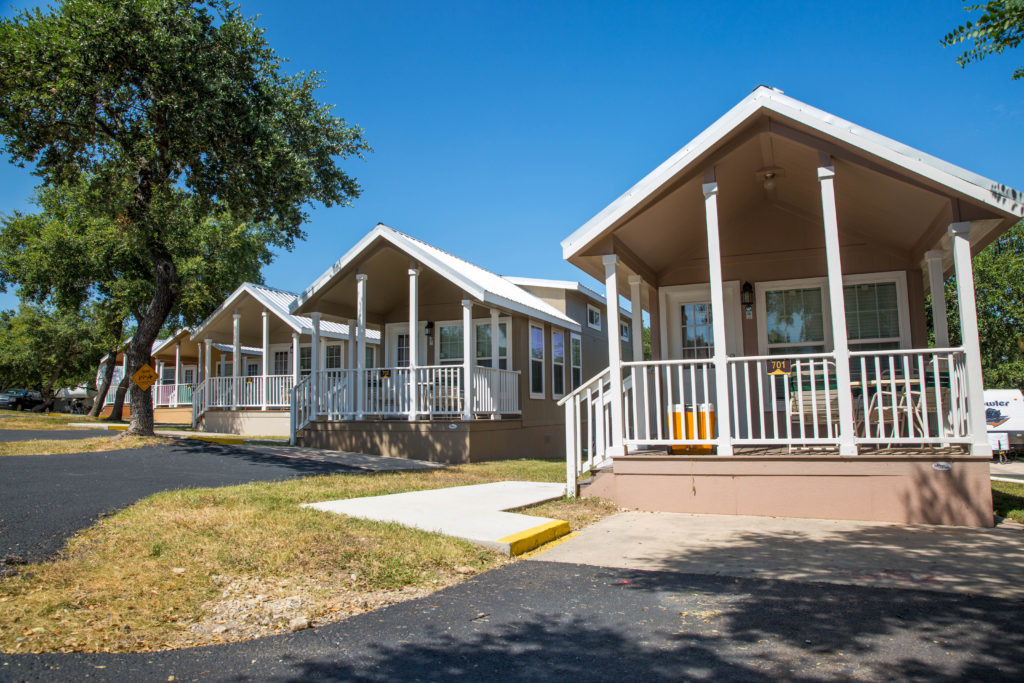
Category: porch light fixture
<point>769,177</point>
<point>747,299</point>
<point>429,331</point>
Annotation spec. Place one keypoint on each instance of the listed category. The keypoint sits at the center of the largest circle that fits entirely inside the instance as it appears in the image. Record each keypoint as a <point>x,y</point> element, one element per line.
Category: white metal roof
<point>999,197</point>
<point>556,284</point>
<point>479,283</point>
<point>278,302</point>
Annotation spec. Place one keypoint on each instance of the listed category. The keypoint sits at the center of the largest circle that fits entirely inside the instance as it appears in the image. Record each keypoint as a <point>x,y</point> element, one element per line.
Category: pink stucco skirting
<point>918,489</point>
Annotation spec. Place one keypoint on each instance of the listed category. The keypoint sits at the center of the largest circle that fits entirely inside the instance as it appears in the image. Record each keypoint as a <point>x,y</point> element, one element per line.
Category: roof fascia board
<point>969,184</point>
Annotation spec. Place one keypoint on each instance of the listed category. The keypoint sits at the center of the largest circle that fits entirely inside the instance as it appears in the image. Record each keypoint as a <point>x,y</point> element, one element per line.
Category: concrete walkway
<point>475,513</point>
<point>213,437</point>
<point>976,561</point>
<point>1013,470</point>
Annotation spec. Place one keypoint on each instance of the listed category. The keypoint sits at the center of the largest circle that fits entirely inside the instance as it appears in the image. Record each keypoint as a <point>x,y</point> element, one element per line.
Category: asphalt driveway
<point>44,499</point>
<point>539,621</point>
<point>47,434</point>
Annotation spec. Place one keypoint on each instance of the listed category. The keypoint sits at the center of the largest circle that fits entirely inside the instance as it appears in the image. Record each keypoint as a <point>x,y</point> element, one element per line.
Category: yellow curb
<point>226,440</point>
<point>536,536</point>
<point>548,546</point>
<point>119,428</point>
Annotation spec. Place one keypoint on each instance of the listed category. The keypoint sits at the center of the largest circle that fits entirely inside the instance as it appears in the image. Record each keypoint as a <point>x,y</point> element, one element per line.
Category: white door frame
<point>672,297</point>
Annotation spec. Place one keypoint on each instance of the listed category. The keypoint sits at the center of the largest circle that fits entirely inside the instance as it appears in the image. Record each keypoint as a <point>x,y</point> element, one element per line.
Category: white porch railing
<point>171,395</point>
<point>243,392</point>
<point>350,394</point>
<point>900,397</point>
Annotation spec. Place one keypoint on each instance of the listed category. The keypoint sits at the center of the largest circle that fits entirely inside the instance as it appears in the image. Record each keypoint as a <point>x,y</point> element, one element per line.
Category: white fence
<point>901,397</point>
<point>241,392</point>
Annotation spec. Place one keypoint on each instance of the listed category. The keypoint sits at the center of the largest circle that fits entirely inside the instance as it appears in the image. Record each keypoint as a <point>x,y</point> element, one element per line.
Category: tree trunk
<point>108,371</point>
<point>117,409</point>
<point>140,348</point>
<point>108,376</point>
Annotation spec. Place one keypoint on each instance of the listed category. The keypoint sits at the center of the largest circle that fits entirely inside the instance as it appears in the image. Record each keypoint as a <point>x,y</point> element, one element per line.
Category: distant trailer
<point>1004,415</point>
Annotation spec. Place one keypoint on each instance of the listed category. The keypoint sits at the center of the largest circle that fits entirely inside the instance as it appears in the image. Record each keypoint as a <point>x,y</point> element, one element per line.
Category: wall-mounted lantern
<point>747,299</point>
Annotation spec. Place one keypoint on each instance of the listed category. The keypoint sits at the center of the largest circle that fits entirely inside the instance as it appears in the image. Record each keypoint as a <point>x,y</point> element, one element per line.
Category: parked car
<point>20,399</point>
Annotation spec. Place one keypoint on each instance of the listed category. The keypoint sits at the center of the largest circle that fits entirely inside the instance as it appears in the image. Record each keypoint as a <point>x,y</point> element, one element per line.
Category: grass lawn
<point>64,446</point>
<point>1008,500</point>
<point>203,566</point>
<point>27,420</point>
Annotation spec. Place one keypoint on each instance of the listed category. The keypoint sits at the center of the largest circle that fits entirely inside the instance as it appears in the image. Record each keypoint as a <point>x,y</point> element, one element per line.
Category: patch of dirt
<point>252,607</point>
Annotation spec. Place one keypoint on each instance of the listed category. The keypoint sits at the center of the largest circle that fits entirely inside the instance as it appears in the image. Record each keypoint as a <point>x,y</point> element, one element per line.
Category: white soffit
<point>997,196</point>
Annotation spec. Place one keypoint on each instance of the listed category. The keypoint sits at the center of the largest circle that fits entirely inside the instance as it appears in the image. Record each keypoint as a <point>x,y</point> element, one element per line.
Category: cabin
<point>784,257</point>
<point>249,355</point>
<point>472,362</point>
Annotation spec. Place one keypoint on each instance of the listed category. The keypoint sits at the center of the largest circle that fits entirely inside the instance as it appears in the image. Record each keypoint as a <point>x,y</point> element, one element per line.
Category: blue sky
<point>499,128</point>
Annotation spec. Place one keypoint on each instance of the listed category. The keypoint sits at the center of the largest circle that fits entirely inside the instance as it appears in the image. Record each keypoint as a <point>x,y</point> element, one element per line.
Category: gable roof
<point>479,283</point>
<point>763,99</point>
<point>571,285</point>
<point>278,301</point>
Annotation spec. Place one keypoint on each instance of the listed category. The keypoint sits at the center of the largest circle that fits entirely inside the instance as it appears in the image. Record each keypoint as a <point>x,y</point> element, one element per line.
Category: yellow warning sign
<point>145,376</point>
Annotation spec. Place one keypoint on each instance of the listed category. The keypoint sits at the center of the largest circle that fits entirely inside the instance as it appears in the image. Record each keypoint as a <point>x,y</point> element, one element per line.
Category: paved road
<point>60,434</point>
<point>533,621</point>
<point>44,499</point>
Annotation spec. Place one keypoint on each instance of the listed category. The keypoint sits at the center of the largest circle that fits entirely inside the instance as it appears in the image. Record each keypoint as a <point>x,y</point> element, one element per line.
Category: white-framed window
<point>167,375</point>
<point>371,356</point>
<point>402,349</point>
<point>795,320</point>
<point>282,364</point>
<point>536,361</point>
<point>557,363</point>
<point>483,345</point>
<point>593,317</point>
<point>449,344</point>
<point>332,357</point>
<point>188,376</point>
<point>697,334</point>
<point>575,360</point>
<point>794,315</point>
<point>252,369</point>
<point>227,368</point>
<point>305,360</point>
<point>624,331</point>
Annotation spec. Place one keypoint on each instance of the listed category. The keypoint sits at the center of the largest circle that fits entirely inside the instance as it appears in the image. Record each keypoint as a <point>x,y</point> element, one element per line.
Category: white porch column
<point>656,350</point>
<point>236,359</point>
<point>177,373</point>
<point>837,306</point>
<point>265,393</point>
<point>467,359</point>
<point>495,348</point>
<point>352,343</point>
<point>721,356</point>
<point>207,362</point>
<point>296,375</point>
<point>637,312</point>
<point>960,233</point>
<point>414,343</point>
<point>611,288</point>
<point>360,381</point>
<point>937,287</point>
<point>314,362</point>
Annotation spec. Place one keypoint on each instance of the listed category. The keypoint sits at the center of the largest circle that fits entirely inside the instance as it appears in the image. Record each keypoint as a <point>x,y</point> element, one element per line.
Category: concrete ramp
<point>475,513</point>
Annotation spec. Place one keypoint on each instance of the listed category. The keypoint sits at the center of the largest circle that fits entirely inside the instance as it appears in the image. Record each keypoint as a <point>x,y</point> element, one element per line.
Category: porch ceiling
<point>221,328</point>
<point>387,287</point>
<point>879,207</point>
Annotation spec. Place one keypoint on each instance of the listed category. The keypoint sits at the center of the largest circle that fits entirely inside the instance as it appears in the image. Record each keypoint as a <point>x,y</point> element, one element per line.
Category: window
<point>794,321</point>
<point>449,344</point>
<point>305,360</point>
<point>188,376</point>
<point>483,345</point>
<point>576,360</point>
<point>227,369</point>
<point>332,357</point>
<point>698,336</point>
<point>168,375</point>
<point>624,331</point>
<point>371,357</point>
<point>281,364</point>
<point>536,361</point>
<point>252,369</point>
<point>872,316</point>
<point>557,363</point>
<point>402,350</point>
<point>593,317</point>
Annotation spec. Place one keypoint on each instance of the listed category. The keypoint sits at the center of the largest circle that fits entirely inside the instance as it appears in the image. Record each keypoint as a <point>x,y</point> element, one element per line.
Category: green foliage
<point>168,136</point>
<point>46,349</point>
<point>1000,26</point>
<point>999,290</point>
